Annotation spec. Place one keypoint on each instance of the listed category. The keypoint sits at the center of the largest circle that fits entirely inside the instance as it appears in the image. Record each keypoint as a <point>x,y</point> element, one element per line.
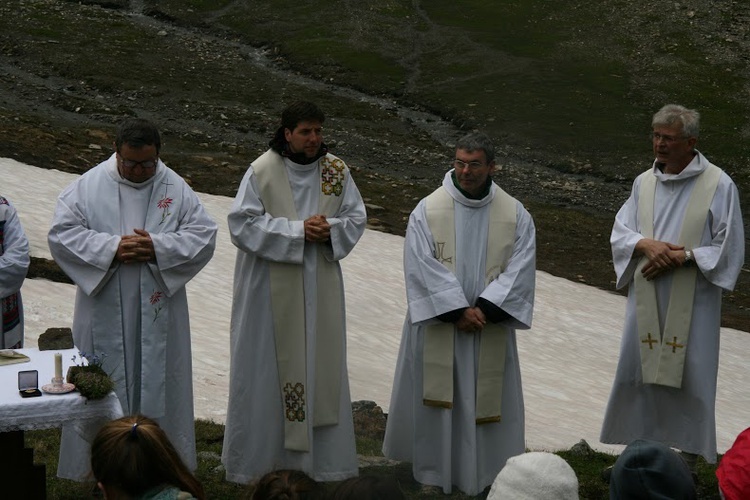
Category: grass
<point>531,68</point>
<point>561,78</point>
<point>568,83</point>
<point>209,437</point>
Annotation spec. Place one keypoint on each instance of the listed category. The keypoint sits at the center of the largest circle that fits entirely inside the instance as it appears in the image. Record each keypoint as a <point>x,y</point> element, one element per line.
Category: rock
<point>373,223</point>
<point>56,339</point>
<point>582,449</point>
<point>369,420</point>
<point>209,455</point>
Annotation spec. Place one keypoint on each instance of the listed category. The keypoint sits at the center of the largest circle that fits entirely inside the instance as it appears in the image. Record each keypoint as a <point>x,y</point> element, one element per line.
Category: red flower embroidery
<point>155,297</point>
<point>164,203</point>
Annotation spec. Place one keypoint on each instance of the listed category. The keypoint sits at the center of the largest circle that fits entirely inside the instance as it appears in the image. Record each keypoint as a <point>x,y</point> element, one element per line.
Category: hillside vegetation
<point>566,88</point>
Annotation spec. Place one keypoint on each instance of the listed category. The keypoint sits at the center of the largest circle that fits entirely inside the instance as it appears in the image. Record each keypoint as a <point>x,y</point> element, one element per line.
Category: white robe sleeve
<point>86,256</point>
<point>431,288</point>
<point>348,226</point>
<point>181,254</point>
<point>513,290</point>
<point>721,260</point>
<point>624,237</point>
<point>14,261</point>
<point>254,231</point>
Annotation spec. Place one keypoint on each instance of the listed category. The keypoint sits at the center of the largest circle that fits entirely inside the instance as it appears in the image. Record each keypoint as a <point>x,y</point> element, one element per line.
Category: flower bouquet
<point>90,378</point>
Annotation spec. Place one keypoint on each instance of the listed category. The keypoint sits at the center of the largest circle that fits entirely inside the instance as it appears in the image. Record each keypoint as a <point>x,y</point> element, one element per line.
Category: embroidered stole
<point>288,305</point>
<point>10,333</point>
<point>663,352</point>
<point>439,339</point>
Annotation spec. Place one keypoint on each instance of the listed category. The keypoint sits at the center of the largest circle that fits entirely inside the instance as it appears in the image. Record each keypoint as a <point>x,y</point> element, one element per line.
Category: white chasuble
<point>663,352</point>
<point>288,306</point>
<point>439,339</point>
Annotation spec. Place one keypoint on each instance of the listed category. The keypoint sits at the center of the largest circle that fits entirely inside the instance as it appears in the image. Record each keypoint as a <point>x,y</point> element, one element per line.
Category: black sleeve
<point>493,313</point>
<point>451,316</point>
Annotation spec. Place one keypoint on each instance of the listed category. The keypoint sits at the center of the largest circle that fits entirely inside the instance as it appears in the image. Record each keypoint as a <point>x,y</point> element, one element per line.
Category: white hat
<point>535,476</point>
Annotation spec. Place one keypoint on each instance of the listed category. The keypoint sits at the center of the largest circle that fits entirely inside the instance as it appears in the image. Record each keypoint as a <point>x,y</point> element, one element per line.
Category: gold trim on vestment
<point>663,358</point>
<point>288,307</point>
<point>439,339</point>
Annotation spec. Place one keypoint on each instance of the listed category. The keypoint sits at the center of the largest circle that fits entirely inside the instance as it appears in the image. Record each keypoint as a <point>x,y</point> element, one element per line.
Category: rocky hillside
<point>565,88</point>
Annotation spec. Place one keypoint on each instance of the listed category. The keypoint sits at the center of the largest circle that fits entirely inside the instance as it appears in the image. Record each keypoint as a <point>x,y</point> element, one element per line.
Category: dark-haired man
<point>469,262</point>
<point>296,215</point>
<point>131,233</point>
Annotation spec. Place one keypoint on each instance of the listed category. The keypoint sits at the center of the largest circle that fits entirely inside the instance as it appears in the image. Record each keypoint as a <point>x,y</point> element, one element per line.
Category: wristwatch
<point>688,256</point>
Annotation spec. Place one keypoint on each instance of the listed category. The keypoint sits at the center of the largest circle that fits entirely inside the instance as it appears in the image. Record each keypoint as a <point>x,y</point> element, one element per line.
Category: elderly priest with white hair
<point>677,242</point>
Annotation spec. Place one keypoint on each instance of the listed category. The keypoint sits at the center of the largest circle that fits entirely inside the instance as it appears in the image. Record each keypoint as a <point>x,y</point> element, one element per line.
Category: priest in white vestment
<point>677,242</point>
<point>131,233</point>
<point>456,409</point>
<point>296,215</point>
<point>14,263</point>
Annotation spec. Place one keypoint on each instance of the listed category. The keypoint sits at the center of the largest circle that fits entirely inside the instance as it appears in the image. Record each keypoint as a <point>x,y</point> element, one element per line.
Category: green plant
<point>90,379</point>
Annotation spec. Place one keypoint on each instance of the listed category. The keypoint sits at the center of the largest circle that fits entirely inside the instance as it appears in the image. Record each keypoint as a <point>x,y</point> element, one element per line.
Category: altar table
<point>19,414</point>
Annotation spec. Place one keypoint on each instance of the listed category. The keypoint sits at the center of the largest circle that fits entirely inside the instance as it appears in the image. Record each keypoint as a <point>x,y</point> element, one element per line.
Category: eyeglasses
<point>668,139</point>
<point>145,164</point>
<point>472,165</point>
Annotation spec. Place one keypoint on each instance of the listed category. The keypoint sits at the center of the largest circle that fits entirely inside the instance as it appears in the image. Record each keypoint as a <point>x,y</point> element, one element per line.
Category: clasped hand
<point>472,320</point>
<point>662,257</point>
<point>317,229</point>
<point>136,248</point>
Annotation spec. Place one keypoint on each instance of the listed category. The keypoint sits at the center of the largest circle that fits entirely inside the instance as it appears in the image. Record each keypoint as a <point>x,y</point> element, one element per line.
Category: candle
<point>58,366</point>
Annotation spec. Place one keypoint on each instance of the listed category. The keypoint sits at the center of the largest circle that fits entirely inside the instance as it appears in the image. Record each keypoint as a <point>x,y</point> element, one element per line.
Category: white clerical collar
<point>463,200</point>
<point>696,166</point>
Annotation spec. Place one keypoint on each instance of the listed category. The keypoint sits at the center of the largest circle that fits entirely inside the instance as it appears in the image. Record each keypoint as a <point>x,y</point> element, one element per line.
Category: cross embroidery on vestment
<point>674,345</point>
<point>333,176</point>
<point>650,341</point>
<point>440,257</point>
<point>294,401</point>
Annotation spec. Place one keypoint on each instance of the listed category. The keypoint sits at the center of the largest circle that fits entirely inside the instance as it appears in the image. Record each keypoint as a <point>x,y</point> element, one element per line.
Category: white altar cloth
<point>48,410</point>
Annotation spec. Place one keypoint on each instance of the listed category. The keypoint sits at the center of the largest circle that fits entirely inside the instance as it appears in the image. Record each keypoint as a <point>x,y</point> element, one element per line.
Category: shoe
<point>607,474</point>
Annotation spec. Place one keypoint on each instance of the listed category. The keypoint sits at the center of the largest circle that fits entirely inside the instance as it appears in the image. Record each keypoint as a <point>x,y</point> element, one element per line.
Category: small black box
<point>28,384</point>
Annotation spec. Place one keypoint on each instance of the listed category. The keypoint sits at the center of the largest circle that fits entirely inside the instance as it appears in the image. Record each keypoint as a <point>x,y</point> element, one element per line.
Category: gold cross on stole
<point>651,341</point>
<point>674,345</point>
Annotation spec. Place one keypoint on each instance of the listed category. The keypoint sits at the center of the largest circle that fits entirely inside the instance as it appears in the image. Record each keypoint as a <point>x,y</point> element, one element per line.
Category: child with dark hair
<point>287,484</point>
<point>132,458</point>
<point>368,488</point>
